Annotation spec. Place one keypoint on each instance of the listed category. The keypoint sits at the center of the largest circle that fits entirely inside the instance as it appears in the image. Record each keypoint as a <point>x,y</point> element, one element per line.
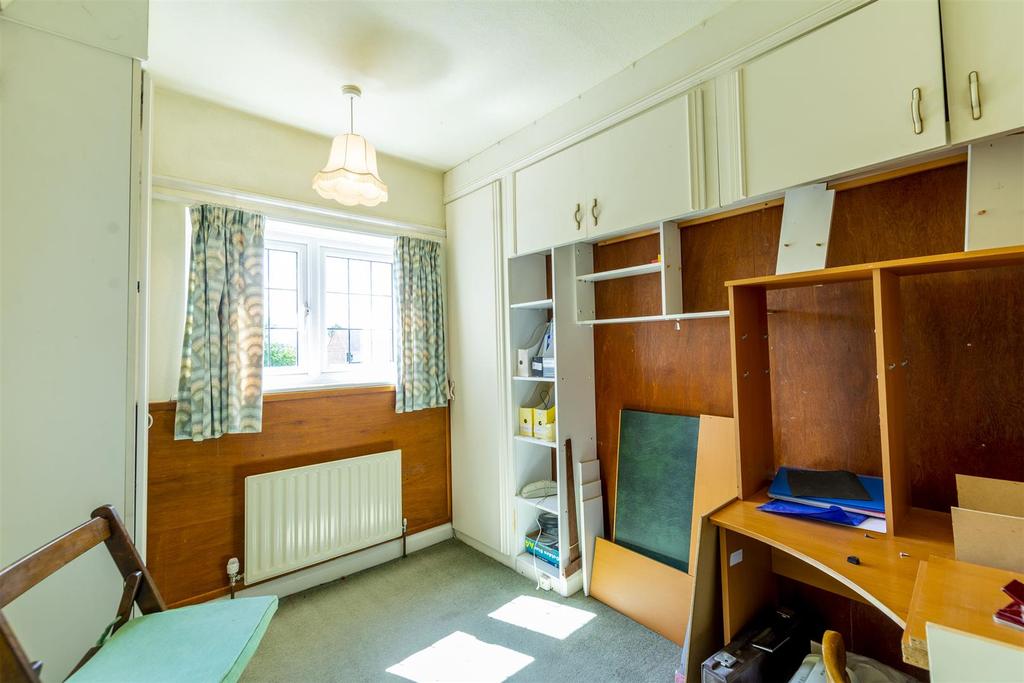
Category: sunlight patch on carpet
<point>542,616</point>
<point>461,658</point>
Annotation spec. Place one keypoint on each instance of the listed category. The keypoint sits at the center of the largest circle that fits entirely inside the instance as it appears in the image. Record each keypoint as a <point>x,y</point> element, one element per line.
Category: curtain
<point>221,385</point>
<point>420,356</point>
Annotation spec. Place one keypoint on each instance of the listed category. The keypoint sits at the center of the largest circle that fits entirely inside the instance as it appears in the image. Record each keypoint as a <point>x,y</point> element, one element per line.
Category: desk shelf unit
<point>755,546</point>
<point>752,394</point>
<point>541,289</point>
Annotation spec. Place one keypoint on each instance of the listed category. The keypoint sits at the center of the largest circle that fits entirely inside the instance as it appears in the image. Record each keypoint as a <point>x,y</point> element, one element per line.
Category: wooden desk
<point>960,596</point>
<point>883,578</point>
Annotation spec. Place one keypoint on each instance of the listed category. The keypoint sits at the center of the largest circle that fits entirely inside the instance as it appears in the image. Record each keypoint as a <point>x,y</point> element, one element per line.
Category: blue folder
<point>875,507</point>
<point>833,514</point>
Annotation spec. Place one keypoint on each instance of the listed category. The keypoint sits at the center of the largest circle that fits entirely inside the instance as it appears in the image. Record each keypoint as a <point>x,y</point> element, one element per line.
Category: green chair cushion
<point>211,642</point>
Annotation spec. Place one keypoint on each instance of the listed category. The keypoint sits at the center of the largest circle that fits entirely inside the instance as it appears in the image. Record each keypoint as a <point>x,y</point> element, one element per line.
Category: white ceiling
<point>441,80</point>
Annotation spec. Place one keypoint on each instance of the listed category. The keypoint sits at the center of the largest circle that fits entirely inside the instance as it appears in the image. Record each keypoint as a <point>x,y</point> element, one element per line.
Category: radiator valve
<point>233,575</point>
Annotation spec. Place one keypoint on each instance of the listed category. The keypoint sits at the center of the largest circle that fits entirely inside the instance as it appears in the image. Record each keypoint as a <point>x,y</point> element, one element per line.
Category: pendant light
<point>350,176</point>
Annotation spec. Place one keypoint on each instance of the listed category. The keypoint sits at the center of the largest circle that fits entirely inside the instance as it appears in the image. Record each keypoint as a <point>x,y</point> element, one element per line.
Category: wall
<point>963,336</point>
<point>65,147</point>
<point>824,392</point>
<point>196,490</point>
<point>743,27</point>
<point>196,505</point>
<point>199,141</point>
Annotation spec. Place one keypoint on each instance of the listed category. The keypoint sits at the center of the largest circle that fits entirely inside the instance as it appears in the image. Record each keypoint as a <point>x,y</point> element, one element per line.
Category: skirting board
<point>347,565</point>
<point>485,549</point>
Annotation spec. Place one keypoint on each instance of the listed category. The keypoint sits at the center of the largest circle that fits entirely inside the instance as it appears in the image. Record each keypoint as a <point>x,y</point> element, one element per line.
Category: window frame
<point>317,244</point>
<point>301,249</point>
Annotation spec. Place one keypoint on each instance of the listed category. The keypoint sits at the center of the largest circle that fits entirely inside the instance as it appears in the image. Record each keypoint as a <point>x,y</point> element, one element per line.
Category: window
<point>327,307</point>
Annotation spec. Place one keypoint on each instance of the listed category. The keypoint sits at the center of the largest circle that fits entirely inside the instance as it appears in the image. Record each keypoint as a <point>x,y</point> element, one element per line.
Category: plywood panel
<point>716,477</point>
<point>989,539</point>
<point>990,495</point>
<point>196,490</point>
<point>650,593</point>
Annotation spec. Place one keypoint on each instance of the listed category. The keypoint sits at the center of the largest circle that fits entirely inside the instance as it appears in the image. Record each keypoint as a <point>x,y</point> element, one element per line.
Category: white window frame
<point>317,244</point>
<point>301,302</point>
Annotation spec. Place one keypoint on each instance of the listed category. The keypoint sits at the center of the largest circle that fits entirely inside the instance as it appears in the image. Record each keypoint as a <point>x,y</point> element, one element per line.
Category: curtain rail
<point>167,188</point>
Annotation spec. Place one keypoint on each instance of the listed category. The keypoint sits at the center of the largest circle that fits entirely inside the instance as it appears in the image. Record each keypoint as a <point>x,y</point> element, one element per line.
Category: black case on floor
<point>782,647</point>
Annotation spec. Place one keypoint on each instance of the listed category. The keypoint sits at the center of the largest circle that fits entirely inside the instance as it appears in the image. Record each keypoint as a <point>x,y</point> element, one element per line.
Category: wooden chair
<point>123,658</point>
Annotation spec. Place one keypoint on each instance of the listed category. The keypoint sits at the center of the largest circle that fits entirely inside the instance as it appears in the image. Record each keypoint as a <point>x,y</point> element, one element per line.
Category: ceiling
<point>441,80</point>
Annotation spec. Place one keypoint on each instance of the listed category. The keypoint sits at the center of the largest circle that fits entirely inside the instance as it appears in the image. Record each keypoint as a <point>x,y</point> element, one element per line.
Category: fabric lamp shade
<point>350,176</point>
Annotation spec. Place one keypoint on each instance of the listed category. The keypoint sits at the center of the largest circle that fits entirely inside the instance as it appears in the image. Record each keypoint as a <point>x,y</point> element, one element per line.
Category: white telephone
<point>539,489</point>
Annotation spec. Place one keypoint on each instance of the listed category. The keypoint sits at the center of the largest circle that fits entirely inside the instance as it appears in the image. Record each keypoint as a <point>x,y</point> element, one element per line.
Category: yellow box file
<point>526,422</point>
<point>544,423</point>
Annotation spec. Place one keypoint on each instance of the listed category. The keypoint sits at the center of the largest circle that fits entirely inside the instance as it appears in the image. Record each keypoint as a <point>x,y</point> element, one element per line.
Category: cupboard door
<point>547,194</point>
<point>640,171</point>
<point>473,349</point>
<point>841,98</point>
<point>983,38</point>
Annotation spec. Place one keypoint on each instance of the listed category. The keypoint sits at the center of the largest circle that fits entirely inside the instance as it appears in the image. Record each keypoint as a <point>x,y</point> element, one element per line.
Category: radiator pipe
<point>405,527</point>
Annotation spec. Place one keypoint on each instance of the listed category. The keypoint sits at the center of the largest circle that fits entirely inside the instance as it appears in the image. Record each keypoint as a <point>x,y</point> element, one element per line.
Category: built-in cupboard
<point>891,80</point>
<point>635,173</point>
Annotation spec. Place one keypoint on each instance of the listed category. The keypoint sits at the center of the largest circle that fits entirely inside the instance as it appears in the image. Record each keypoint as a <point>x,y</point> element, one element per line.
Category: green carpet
<point>356,628</point>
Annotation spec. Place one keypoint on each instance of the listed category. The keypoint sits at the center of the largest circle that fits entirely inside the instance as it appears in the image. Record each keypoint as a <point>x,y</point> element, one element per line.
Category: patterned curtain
<point>419,326</point>
<point>221,386</point>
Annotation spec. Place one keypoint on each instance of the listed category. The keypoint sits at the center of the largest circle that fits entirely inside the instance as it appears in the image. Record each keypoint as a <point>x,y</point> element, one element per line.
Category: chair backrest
<point>104,526</point>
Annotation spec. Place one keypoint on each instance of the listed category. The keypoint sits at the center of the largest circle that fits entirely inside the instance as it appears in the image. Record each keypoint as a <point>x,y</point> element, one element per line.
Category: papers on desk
<point>873,507</point>
<point>832,515</point>
<point>866,511</point>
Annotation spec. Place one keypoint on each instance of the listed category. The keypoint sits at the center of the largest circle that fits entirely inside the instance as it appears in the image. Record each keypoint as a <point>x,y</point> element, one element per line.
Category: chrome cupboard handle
<point>915,110</point>
<point>578,215</point>
<point>972,79</point>
<point>593,211</point>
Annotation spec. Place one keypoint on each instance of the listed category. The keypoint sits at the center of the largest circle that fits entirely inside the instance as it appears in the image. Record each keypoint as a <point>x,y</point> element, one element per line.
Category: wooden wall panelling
<point>751,387</point>
<point>964,339</point>
<point>196,490</point>
<point>892,389</point>
<point>656,367</point>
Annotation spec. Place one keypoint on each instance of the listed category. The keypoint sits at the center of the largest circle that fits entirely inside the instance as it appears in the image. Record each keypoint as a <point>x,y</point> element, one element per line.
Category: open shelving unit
<point>541,290</point>
<point>752,398</point>
<point>668,268</point>
<point>887,563</point>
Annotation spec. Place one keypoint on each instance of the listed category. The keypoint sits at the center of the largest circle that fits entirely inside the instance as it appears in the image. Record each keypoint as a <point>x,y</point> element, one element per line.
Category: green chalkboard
<point>654,490</point>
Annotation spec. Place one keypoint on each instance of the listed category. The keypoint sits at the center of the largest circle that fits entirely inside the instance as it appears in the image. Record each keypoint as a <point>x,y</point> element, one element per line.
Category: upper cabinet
<point>549,202</point>
<point>858,91</point>
<point>644,170</point>
<point>984,57</point>
<point>641,171</point>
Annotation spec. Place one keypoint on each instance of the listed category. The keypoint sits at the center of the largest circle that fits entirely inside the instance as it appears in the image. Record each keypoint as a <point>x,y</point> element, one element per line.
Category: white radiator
<point>299,517</point>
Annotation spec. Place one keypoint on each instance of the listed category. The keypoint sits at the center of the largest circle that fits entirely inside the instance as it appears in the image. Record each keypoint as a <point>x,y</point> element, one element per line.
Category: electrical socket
<point>545,582</point>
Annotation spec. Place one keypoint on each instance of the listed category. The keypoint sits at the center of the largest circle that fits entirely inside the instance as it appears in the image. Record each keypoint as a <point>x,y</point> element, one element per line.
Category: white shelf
<point>537,442</point>
<point>547,503</point>
<point>517,378</point>
<point>541,565</point>
<point>538,305</point>
<point>618,273</point>
<point>656,318</point>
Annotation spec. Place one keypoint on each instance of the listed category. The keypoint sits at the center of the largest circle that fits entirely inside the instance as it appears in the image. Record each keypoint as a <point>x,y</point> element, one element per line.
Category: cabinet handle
<point>579,217</point>
<point>593,211</point>
<point>915,110</point>
<point>972,78</point>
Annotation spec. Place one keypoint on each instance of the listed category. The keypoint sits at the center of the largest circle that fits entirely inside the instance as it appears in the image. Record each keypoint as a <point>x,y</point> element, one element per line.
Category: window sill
<point>302,393</point>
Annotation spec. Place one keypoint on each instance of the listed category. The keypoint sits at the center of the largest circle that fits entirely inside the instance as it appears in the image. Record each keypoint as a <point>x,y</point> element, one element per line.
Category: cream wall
<point>740,28</point>
<point>199,141</point>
